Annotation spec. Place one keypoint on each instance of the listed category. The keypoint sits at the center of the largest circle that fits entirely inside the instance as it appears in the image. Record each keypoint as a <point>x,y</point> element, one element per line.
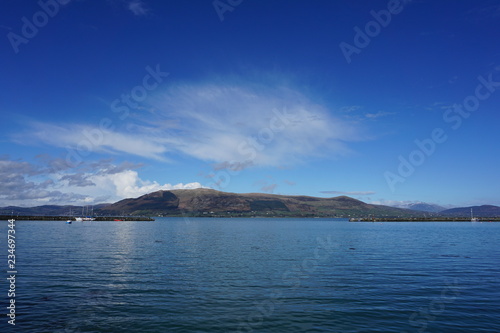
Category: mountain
<point>419,206</point>
<point>52,210</point>
<point>208,202</point>
<point>425,207</point>
<point>478,211</point>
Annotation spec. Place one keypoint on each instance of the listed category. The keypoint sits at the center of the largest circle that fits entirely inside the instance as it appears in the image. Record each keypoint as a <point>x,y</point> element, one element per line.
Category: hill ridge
<point>209,201</point>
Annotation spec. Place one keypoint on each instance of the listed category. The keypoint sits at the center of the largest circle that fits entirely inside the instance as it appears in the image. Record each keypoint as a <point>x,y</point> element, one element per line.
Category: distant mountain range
<point>208,202</point>
<point>423,207</point>
<point>51,210</point>
<point>478,211</point>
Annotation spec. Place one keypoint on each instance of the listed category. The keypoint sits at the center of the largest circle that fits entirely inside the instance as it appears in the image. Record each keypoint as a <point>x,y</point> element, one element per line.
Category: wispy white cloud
<point>484,12</point>
<point>350,108</point>
<point>267,184</point>
<point>250,125</point>
<point>85,139</point>
<point>235,166</point>
<point>349,193</point>
<point>269,188</point>
<point>229,125</point>
<point>138,7</point>
<point>378,114</point>
<point>355,112</point>
<point>453,79</point>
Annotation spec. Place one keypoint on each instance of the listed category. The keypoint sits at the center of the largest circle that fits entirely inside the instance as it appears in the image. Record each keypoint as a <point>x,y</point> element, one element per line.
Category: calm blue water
<point>254,275</point>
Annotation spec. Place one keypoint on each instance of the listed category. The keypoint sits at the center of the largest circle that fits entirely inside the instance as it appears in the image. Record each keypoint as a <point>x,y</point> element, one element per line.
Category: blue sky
<point>385,101</point>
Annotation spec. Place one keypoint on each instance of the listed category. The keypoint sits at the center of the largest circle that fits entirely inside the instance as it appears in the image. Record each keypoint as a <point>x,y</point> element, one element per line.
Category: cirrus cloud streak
<point>349,192</point>
<point>238,124</point>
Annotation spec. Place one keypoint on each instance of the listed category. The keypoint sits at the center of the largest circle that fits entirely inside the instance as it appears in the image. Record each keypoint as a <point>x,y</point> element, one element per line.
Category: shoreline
<point>352,219</point>
<point>424,219</point>
<point>72,218</point>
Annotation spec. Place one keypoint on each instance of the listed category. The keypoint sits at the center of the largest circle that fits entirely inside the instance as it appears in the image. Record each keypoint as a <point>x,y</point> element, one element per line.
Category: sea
<point>252,275</point>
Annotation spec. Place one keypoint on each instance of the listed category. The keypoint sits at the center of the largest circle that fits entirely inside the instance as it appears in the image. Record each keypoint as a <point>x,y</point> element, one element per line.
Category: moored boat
<point>472,218</point>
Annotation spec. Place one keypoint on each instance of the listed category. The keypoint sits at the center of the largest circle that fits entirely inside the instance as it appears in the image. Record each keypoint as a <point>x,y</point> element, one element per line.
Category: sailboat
<point>80,219</point>
<point>69,221</point>
<point>12,220</point>
<point>472,218</point>
<point>87,218</point>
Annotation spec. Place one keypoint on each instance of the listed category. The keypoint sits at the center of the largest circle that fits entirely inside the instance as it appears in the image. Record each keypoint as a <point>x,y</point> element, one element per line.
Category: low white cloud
<point>29,184</point>
<point>23,183</point>
<point>128,184</point>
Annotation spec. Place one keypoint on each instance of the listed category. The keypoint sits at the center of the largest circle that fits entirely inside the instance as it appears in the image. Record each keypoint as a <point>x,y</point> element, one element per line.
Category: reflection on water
<point>256,275</point>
